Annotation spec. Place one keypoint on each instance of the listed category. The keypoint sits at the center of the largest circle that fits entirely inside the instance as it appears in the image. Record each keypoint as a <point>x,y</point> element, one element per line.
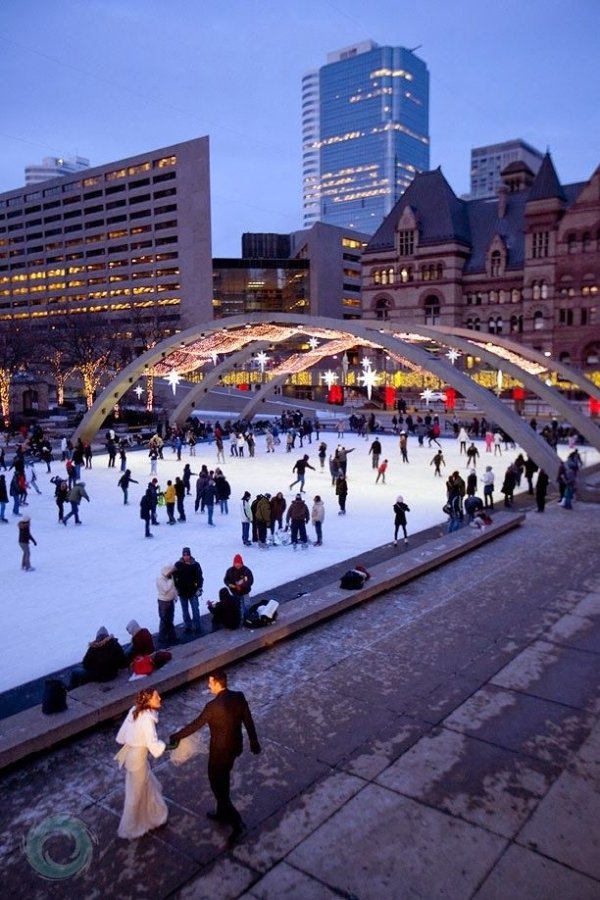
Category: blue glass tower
<point>373,134</point>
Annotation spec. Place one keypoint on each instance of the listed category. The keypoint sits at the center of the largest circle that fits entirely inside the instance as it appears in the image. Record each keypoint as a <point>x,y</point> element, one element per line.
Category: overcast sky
<point>107,79</point>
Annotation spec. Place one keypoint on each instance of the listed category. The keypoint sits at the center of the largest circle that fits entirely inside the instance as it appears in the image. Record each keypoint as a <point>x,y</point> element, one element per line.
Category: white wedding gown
<point>144,807</point>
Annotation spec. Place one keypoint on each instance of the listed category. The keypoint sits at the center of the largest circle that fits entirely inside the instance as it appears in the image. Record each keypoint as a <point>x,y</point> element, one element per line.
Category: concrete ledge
<point>31,731</point>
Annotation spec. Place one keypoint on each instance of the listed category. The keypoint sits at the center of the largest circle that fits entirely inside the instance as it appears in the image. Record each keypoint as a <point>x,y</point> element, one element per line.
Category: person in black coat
<point>541,488</point>
<point>102,661</point>
<point>224,716</point>
<point>189,581</point>
<point>400,510</point>
<point>227,612</point>
<point>146,512</point>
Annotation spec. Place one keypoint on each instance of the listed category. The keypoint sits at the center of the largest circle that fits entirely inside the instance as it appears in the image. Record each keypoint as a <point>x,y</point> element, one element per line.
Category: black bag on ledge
<point>54,698</point>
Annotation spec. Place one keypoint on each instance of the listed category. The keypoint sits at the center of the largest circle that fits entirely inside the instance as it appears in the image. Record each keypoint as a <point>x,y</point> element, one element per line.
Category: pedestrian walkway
<point>442,740</point>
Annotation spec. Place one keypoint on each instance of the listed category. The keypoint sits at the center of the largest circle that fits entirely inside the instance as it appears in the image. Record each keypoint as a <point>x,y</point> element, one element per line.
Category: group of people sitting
<point>106,657</point>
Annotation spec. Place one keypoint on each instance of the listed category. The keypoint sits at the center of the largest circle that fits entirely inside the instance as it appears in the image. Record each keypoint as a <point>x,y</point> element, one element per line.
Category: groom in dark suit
<point>224,716</point>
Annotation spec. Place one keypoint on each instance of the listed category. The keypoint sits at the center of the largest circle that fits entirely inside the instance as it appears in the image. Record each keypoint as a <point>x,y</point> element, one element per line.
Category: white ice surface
<point>104,571</point>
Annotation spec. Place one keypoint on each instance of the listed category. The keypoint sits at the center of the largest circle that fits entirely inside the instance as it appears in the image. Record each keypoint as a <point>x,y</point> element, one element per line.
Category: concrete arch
<point>188,405</point>
<point>246,333</point>
<point>573,375</point>
<point>535,384</point>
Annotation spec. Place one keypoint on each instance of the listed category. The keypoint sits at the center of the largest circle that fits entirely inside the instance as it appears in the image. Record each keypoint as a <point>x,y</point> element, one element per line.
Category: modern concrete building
<point>365,134</point>
<point>243,286</point>
<point>524,265</point>
<point>130,238</point>
<point>316,271</point>
<point>335,268</point>
<point>54,166</point>
<point>487,164</point>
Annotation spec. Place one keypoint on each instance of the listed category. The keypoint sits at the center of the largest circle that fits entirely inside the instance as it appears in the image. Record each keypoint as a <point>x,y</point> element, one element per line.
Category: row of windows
<point>100,251</point>
<point>94,223</point>
<point>405,274</point>
<point>58,300</point>
<point>41,274</point>
<point>69,186</point>
<point>70,201</point>
<point>82,282</point>
<point>584,242</point>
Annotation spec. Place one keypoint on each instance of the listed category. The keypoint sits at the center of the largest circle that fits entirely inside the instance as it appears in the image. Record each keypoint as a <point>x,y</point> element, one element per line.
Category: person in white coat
<point>167,595</point>
<point>317,517</point>
<point>144,807</point>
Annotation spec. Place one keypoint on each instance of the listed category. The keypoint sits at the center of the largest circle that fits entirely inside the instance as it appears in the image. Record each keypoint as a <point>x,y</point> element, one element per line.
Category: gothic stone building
<point>525,264</point>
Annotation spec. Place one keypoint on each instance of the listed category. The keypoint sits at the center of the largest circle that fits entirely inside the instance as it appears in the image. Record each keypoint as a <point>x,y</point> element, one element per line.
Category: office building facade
<point>525,265</point>
<point>365,134</point>
<point>487,164</point>
<point>123,240</point>
<point>315,271</point>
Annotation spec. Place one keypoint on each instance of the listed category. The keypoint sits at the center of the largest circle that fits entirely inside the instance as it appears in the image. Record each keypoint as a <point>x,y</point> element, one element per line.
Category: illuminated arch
<point>237,338</point>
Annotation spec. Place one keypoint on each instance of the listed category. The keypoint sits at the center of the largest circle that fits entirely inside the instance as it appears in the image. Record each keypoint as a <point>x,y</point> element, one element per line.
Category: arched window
<point>538,321</point>
<point>535,290</point>
<point>495,263</point>
<point>516,324</point>
<point>571,242</point>
<point>432,310</point>
<point>586,242</point>
<point>376,276</point>
<point>515,295</point>
<point>493,297</point>
<point>591,354</point>
<point>543,290</point>
<point>495,325</point>
<point>406,274</point>
<point>384,276</point>
<point>382,307</point>
<point>391,278</point>
<point>439,272</point>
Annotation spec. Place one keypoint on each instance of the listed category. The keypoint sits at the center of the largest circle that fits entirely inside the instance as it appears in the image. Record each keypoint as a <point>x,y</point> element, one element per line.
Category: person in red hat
<point>239,579</point>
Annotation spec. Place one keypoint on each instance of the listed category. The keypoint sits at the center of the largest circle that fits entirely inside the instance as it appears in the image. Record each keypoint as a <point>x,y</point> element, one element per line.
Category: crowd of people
<point>267,519</point>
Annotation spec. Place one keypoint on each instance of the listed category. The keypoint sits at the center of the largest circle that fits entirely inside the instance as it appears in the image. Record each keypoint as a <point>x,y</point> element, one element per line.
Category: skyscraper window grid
<point>373,133</point>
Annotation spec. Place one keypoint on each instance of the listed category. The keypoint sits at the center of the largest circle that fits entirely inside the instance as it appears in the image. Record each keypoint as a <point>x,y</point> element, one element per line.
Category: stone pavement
<point>442,740</point>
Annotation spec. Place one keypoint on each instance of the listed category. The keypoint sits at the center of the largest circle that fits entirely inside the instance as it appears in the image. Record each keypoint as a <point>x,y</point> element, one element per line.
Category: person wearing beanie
<point>400,510</point>
<point>239,579</point>
<point>297,518</point>
<point>102,661</point>
<point>141,641</point>
<point>189,582</point>
<point>25,539</point>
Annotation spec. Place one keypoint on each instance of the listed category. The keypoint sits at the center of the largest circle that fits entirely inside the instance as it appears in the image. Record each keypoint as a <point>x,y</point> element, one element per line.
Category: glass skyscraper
<point>365,127</point>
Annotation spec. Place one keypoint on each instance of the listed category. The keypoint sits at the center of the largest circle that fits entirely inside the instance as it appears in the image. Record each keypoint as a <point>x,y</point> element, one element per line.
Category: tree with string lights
<point>16,349</point>
<point>87,347</point>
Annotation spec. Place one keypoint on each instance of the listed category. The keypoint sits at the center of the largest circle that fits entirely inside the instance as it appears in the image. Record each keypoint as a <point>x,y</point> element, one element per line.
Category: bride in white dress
<point>144,807</point>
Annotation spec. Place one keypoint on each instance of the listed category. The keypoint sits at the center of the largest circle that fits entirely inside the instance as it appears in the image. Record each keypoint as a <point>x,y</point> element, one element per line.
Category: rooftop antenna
<point>412,49</point>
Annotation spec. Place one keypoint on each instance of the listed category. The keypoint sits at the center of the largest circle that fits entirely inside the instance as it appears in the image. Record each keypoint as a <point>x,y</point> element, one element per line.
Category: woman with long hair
<point>144,806</point>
